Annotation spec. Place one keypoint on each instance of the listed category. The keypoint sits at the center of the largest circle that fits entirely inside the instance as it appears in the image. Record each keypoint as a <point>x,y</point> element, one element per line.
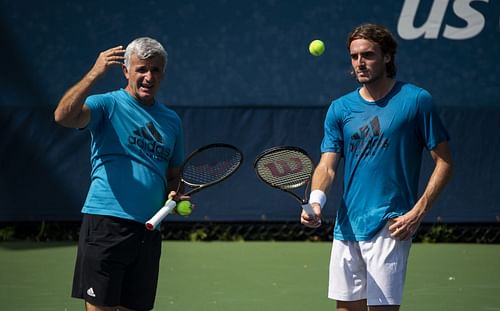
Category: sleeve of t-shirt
<point>333,140</point>
<point>178,153</point>
<point>98,109</point>
<point>431,127</point>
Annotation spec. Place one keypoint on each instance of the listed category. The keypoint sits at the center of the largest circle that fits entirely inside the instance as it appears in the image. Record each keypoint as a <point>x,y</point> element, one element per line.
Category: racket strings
<point>285,169</point>
<point>211,165</point>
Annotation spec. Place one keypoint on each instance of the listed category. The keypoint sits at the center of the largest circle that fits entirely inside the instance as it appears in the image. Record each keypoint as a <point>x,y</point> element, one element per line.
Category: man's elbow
<point>58,117</point>
<point>66,119</point>
<point>447,167</point>
<point>62,119</point>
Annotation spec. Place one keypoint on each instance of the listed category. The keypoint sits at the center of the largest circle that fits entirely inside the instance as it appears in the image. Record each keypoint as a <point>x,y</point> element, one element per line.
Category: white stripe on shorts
<point>374,270</point>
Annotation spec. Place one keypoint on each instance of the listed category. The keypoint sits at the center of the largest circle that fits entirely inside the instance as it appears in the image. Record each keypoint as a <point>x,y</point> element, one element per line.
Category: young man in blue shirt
<point>380,130</point>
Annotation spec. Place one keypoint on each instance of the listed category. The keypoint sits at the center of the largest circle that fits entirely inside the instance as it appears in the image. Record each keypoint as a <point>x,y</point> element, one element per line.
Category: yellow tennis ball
<point>184,208</point>
<point>316,47</point>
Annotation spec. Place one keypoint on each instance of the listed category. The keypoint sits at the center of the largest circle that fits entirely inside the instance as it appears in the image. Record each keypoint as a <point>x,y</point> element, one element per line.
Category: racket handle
<point>308,208</point>
<point>162,213</point>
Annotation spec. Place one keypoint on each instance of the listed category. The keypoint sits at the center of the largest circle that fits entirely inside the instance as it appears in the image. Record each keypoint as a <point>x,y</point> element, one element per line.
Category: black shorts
<point>117,263</point>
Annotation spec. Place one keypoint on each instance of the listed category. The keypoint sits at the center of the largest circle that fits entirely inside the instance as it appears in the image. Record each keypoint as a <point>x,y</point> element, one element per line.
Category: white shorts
<point>374,270</point>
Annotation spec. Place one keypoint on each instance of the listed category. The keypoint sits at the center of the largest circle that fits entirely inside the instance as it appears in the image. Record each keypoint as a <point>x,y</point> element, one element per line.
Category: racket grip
<point>160,215</point>
<point>308,208</point>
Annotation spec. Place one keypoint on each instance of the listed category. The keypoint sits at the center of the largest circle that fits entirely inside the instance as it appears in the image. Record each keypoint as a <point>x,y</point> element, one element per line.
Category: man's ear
<point>387,58</point>
<point>125,71</point>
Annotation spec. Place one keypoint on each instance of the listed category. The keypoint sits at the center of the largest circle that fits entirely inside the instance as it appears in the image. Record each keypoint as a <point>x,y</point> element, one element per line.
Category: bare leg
<point>358,305</point>
<point>91,307</point>
<point>383,308</point>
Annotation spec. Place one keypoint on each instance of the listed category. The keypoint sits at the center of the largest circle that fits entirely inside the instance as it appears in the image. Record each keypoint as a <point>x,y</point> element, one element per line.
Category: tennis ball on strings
<point>316,47</point>
<point>184,208</point>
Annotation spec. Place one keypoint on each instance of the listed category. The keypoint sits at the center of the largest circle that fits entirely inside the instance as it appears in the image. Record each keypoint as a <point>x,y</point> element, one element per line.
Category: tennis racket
<point>205,167</point>
<point>286,168</point>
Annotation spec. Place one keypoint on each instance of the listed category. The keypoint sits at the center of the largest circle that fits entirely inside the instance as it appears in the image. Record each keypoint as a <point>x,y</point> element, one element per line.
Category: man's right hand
<point>112,57</point>
<point>311,221</point>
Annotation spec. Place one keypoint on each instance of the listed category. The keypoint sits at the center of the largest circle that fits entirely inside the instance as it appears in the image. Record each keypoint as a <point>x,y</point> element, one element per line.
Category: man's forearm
<point>324,174</point>
<point>439,178</point>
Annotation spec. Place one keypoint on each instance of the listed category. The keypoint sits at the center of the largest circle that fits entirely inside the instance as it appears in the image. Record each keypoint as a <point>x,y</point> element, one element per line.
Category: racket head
<point>285,168</point>
<point>210,164</point>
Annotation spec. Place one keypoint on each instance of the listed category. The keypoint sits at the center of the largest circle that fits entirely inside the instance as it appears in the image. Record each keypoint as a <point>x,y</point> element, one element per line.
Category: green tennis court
<point>254,276</point>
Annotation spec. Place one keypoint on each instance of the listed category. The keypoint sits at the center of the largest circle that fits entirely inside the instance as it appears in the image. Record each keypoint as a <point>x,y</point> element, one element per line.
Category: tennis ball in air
<point>316,47</point>
<point>184,208</point>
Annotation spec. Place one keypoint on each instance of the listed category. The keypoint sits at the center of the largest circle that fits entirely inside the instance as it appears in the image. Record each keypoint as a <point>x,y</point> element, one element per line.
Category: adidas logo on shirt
<point>369,139</point>
<point>150,142</point>
<point>90,292</point>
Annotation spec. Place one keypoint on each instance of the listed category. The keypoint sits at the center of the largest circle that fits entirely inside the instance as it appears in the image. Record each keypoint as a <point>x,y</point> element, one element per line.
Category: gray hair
<point>145,48</point>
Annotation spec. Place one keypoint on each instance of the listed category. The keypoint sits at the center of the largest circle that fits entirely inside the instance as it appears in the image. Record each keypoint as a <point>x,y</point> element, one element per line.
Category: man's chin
<point>363,80</point>
<point>146,98</point>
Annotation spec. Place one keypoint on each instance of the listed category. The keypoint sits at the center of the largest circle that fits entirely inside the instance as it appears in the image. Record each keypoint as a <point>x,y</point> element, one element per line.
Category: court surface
<point>254,276</point>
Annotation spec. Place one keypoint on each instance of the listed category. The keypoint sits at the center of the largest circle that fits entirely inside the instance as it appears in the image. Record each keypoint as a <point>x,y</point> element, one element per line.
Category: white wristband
<point>317,196</point>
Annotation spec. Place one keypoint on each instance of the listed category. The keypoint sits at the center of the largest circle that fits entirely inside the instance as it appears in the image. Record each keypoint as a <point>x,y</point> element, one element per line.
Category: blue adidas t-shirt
<point>382,144</point>
<point>132,147</point>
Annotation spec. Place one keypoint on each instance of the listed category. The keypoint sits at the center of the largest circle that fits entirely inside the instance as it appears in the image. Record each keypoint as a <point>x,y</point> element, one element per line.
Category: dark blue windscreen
<point>240,72</point>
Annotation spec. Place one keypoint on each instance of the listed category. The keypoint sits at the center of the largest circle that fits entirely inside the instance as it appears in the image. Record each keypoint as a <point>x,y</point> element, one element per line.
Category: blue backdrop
<point>240,72</point>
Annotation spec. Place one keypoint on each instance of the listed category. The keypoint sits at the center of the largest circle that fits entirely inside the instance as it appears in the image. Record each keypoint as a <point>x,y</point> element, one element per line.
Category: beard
<point>369,76</point>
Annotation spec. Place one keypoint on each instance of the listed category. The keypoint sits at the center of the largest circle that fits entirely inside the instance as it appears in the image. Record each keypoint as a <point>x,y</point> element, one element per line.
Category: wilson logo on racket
<point>286,168</point>
<point>280,168</point>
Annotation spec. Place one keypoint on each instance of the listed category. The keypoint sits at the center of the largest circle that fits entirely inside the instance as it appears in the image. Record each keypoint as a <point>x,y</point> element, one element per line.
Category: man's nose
<point>360,60</point>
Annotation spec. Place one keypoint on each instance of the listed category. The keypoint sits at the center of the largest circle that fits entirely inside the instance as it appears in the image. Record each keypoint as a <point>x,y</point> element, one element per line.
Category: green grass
<point>254,276</point>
